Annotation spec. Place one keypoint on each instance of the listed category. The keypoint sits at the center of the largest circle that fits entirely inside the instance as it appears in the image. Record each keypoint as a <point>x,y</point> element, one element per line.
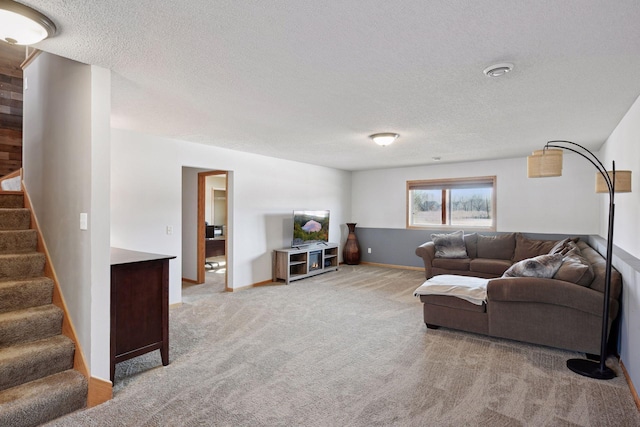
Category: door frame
<point>202,184</point>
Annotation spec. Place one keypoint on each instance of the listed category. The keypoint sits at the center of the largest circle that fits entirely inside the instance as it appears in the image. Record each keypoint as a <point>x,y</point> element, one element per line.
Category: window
<point>456,203</point>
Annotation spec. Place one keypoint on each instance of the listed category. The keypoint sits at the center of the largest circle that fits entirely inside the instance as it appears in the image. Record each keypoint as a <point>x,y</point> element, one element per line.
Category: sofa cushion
<point>575,268</point>
<point>450,245</point>
<point>541,266</point>
<point>451,263</point>
<point>494,267</point>
<point>496,247</point>
<point>471,242</point>
<point>529,248</point>
<point>453,302</point>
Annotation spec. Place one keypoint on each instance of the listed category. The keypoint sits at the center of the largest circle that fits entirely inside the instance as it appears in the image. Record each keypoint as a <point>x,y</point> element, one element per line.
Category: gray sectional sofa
<point>563,311</point>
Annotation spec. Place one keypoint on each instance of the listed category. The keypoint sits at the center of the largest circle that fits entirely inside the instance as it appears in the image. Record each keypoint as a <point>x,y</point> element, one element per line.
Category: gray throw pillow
<point>541,266</point>
<point>575,268</point>
<point>450,245</point>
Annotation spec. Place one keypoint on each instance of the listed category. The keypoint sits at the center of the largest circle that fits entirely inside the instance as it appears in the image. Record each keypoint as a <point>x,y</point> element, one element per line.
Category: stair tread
<point>22,349</point>
<point>15,218</point>
<point>10,199</point>
<point>30,253</point>
<point>17,294</point>
<point>26,362</point>
<point>27,312</point>
<point>29,324</point>
<point>43,400</point>
<point>28,264</point>
<point>7,283</point>
<point>18,231</point>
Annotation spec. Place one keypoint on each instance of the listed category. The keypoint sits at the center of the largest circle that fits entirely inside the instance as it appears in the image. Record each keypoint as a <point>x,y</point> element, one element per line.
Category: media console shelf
<point>295,264</point>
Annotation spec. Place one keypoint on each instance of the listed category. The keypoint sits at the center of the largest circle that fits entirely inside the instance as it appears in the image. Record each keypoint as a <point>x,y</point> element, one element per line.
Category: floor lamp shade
<point>622,182</point>
<point>545,163</point>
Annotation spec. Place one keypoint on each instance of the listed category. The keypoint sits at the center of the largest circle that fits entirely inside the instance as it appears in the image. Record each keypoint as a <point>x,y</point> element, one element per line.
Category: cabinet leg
<point>164,354</point>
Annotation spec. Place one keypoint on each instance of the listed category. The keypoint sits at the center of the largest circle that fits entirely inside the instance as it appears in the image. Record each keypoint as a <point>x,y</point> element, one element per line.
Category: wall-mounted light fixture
<point>20,24</point>
<point>385,138</point>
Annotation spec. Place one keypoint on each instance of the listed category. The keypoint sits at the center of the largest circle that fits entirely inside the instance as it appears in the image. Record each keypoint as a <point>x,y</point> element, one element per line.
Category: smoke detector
<point>498,70</point>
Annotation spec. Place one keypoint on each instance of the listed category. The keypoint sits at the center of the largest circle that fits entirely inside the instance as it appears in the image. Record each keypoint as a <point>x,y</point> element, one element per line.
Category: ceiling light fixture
<point>384,138</point>
<point>19,24</point>
<point>498,70</point>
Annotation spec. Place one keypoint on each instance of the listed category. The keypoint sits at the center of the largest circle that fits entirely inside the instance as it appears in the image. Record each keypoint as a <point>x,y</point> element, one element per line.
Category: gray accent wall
<point>394,246</point>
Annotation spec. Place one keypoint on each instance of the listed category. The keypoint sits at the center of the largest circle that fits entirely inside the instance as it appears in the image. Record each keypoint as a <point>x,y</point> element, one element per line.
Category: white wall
<point>99,222</point>
<point>566,204</point>
<point>146,196</point>
<point>66,172</point>
<point>623,146</point>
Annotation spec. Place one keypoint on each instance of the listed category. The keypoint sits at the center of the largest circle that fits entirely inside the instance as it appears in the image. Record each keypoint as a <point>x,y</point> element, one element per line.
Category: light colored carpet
<point>346,349</point>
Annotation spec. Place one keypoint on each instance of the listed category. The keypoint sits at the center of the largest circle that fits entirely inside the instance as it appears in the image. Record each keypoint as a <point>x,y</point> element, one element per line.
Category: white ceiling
<point>309,80</point>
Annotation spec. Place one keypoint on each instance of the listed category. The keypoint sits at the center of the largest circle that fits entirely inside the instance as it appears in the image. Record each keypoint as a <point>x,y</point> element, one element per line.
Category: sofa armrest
<point>427,251</point>
<point>548,291</point>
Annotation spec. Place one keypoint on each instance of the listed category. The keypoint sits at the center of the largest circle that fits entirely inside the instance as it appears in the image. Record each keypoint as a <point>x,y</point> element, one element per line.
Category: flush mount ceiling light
<point>498,70</point>
<point>385,138</point>
<point>19,24</point>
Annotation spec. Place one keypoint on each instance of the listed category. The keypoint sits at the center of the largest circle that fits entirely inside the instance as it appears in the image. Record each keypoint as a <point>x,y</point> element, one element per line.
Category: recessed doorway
<point>212,227</point>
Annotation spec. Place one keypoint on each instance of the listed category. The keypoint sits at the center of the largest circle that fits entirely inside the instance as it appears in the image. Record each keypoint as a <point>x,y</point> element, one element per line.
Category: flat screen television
<point>310,227</point>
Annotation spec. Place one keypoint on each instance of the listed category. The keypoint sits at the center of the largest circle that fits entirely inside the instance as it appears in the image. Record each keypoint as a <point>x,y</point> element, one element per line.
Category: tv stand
<point>300,263</point>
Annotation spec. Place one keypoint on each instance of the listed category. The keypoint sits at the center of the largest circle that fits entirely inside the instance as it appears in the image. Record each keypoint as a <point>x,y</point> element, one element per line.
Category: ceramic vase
<point>351,252</point>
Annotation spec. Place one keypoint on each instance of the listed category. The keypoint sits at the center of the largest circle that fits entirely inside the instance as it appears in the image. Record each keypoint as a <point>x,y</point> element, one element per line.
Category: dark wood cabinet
<point>214,247</point>
<point>139,305</point>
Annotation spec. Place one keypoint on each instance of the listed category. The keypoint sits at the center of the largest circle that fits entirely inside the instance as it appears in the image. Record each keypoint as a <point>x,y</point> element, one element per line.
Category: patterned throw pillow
<point>575,268</point>
<point>541,266</point>
<point>450,245</point>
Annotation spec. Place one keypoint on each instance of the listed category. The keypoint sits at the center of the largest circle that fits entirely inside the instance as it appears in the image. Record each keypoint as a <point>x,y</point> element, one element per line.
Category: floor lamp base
<point>591,369</point>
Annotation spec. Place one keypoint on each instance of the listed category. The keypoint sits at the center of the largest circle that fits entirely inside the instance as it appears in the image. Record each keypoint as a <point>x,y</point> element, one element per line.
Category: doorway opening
<point>212,227</point>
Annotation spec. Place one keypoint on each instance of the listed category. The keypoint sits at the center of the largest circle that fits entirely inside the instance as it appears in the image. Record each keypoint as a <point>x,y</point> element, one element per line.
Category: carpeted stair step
<point>15,219</point>
<point>21,265</point>
<point>25,293</point>
<point>11,200</point>
<point>18,241</point>
<point>43,400</point>
<point>26,362</point>
<point>30,324</point>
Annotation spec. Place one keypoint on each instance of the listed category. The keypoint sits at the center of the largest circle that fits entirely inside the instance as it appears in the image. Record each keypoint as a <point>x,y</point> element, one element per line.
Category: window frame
<point>448,184</point>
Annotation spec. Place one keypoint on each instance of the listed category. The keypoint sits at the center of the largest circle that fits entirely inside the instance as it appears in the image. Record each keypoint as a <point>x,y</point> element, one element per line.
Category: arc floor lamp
<point>547,163</point>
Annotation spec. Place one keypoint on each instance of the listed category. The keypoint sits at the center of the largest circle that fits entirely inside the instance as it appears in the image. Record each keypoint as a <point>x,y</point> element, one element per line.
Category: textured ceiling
<point>310,80</point>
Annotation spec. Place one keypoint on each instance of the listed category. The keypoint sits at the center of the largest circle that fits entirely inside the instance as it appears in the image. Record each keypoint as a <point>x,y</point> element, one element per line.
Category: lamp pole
<point>585,367</point>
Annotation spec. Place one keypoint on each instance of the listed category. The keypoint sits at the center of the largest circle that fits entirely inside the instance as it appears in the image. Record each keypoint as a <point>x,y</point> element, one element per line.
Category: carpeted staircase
<point>37,379</point>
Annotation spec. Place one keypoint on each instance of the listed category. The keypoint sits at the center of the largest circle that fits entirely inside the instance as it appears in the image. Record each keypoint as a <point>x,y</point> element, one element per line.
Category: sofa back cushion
<point>496,247</point>
<point>598,263</point>
<point>529,248</point>
<point>471,242</point>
